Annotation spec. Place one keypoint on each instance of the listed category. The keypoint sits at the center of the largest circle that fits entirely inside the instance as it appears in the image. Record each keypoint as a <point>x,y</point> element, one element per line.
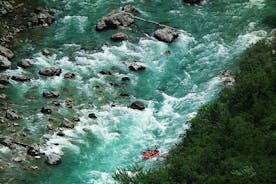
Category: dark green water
<point>173,86</point>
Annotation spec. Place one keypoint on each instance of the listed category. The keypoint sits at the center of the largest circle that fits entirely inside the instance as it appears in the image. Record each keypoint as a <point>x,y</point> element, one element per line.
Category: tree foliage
<point>232,139</point>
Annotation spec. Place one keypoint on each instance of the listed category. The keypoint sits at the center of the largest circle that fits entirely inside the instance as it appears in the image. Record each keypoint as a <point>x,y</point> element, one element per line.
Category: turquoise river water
<point>173,86</point>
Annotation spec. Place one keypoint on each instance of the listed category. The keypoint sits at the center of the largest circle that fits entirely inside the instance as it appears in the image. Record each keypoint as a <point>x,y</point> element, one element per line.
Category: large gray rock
<point>4,79</point>
<point>12,114</point>
<point>21,78</point>
<point>138,105</point>
<point>166,34</point>
<point>24,64</point>
<point>50,71</point>
<point>115,20</point>
<point>4,63</point>
<point>53,159</point>
<point>6,52</point>
<point>119,37</point>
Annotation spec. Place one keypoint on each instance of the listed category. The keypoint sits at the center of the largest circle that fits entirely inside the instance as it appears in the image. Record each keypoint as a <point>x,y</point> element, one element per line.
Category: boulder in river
<point>55,103</point>
<point>136,67</point>
<point>119,37</point>
<point>166,34</point>
<point>46,110</point>
<point>138,105</point>
<point>50,94</point>
<point>104,72</point>
<point>50,71</point>
<point>21,78</point>
<point>24,64</point>
<point>92,116</point>
<point>33,151</point>
<point>4,63</point>
<point>60,133</point>
<point>67,124</point>
<point>69,102</point>
<point>12,114</point>
<point>130,9</point>
<point>69,75</point>
<point>115,20</point>
<point>47,52</point>
<point>53,159</point>
<point>125,79</point>
<point>6,52</point>
<point>193,1</point>
<point>4,79</point>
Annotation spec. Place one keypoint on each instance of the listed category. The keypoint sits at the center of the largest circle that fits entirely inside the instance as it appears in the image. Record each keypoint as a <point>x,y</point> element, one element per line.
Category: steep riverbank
<point>232,139</point>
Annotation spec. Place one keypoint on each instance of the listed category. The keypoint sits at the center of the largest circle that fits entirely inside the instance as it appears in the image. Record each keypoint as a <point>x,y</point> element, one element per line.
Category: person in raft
<point>151,153</point>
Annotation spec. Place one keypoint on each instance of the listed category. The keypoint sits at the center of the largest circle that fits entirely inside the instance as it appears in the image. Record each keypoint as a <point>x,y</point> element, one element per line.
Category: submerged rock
<point>12,114</point>
<point>115,20</point>
<point>103,72</point>
<point>50,71</point>
<point>69,103</point>
<point>50,94</point>
<point>53,159</point>
<point>55,103</point>
<point>136,67</point>
<point>4,63</point>
<point>166,34</point>
<point>76,118</point>
<point>119,37</point>
<point>21,78</point>
<point>193,1</point>
<point>6,52</point>
<point>67,124</point>
<point>125,79</point>
<point>46,110</point>
<point>124,94</point>
<point>138,105</point>
<point>24,64</point>
<point>69,75</point>
<point>47,52</point>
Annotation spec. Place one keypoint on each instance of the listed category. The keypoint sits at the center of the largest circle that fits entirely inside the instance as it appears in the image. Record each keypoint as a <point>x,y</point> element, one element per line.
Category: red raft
<point>151,153</point>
